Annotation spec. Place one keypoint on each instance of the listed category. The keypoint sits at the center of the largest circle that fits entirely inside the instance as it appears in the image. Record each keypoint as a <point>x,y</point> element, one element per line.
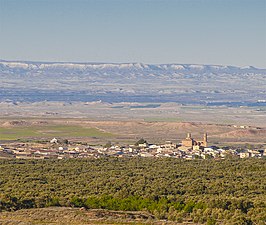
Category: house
<point>243,155</point>
<point>54,141</point>
<point>169,145</point>
<point>144,145</point>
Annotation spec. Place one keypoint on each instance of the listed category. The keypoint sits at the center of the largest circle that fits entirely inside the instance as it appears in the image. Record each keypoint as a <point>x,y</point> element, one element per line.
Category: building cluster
<point>189,148</point>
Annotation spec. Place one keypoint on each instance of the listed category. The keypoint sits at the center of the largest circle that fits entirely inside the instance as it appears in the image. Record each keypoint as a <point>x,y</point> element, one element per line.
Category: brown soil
<point>64,216</point>
<point>153,132</point>
<point>16,123</point>
<point>158,132</point>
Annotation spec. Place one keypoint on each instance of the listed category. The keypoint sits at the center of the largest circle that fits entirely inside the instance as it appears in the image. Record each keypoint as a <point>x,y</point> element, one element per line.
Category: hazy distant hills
<point>20,67</point>
<point>184,83</point>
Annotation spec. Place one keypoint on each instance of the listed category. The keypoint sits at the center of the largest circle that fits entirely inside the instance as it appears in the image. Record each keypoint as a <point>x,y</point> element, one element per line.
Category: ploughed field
<point>198,191</point>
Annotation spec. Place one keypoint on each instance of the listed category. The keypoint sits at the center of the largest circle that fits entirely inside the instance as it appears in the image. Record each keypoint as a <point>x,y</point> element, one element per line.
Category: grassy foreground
<point>203,191</point>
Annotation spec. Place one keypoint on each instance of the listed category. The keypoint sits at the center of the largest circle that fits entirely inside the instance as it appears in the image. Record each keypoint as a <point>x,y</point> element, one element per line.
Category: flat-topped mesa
<point>189,142</point>
<point>173,67</point>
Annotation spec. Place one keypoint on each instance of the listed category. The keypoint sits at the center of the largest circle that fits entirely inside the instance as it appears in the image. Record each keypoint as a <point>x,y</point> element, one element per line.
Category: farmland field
<point>13,133</point>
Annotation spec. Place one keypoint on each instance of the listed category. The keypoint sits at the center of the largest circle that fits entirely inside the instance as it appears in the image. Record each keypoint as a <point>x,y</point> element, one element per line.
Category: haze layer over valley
<point>164,92</point>
<point>132,82</point>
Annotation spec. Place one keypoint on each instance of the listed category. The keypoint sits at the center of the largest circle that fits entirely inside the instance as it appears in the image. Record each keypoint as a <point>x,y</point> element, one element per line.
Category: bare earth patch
<point>127,132</point>
<point>65,215</point>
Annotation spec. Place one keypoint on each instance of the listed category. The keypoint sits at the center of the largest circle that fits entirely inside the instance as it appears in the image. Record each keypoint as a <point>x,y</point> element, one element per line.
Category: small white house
<point>54,141</point>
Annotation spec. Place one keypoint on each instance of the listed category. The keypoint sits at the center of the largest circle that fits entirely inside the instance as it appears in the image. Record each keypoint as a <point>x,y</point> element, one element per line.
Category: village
<point>188,149</point>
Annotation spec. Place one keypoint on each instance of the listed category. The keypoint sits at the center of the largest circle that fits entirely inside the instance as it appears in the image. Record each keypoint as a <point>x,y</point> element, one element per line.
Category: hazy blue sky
<point>231,32</point>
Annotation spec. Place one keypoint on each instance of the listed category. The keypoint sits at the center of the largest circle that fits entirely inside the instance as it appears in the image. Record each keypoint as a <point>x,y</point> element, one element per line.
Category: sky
<point>223,32</point>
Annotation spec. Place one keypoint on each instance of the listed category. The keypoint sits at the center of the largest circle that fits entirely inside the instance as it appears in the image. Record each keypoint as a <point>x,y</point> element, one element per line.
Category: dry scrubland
<point>150,112</point>
<point>199,191</point>
<point>192,192</point>
<point>99,132</point>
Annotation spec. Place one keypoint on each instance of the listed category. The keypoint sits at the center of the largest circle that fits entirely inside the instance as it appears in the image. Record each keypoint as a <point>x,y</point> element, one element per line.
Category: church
<point>189,142</point>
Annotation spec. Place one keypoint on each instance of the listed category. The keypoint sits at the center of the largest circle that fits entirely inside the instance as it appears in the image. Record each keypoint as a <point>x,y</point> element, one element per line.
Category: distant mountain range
<point>184,83</point>
<point>27,67</point>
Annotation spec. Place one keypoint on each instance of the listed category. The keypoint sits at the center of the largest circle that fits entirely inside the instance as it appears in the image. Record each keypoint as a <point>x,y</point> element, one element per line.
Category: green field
<point>14,133</point>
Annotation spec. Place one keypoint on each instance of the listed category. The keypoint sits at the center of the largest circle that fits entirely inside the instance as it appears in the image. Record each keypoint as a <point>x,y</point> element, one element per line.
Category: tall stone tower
<point>188,142</point>
<point>205,140</point>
